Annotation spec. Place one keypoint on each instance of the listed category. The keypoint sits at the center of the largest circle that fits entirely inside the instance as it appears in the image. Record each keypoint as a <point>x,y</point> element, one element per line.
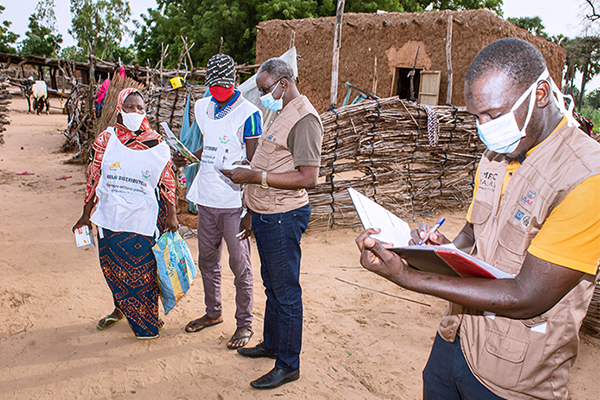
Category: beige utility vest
<point>531,358</point>
<point>272,155</point>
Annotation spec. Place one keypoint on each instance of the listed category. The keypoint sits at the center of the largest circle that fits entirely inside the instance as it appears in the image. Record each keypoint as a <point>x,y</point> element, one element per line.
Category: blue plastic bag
<point>176,268</point>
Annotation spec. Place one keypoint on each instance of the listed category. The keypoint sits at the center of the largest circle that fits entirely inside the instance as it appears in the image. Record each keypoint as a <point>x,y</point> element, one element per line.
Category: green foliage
<point>593,115</point>
<point>7,38</point>
<point>99,25</point>
<point>532,25</point>
<point>73,53</point>
<point>42,39</point>
<point>583,55</point>
<point>204,22</point>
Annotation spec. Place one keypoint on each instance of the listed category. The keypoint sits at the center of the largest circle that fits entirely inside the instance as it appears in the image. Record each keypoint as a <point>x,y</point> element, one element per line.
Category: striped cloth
<point>433,125</point>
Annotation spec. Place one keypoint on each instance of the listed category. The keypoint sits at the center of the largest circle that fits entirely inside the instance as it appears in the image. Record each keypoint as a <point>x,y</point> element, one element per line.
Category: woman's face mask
<point>270,102</point>
<point>502,135</point>
<point>132,121</point>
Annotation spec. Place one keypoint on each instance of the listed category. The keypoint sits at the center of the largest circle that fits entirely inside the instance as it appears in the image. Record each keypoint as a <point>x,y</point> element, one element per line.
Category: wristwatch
<point>263,183</point>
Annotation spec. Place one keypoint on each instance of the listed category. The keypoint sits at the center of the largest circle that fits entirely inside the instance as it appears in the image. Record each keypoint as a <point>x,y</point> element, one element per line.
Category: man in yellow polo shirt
<point>535,214</point>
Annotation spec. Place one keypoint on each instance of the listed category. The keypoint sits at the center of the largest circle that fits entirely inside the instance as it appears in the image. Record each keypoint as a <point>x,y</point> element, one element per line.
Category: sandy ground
<point>358,343</point>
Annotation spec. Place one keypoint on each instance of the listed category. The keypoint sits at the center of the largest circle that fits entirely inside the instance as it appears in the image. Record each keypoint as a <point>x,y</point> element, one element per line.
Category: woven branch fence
<point>4,102</point>
<point>381,148</point>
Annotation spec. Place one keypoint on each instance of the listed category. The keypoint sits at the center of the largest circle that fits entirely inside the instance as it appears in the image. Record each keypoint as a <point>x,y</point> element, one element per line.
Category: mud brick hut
<point>378,51</point>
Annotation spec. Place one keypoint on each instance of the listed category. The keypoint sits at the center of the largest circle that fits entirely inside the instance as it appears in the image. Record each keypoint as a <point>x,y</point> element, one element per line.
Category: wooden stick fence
<point>4,103</point>
<point>381,148</point>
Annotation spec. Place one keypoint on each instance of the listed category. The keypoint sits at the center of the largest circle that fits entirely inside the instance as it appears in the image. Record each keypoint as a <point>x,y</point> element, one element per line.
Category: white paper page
<point>167,129</point>
<point>393,229</point>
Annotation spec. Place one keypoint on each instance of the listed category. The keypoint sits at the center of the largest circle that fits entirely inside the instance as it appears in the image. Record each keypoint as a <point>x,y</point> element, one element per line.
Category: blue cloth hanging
<point>191,137</point>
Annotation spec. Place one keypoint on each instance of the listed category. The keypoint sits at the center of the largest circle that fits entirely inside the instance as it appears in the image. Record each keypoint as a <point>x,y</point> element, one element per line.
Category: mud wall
<point>393,38</point>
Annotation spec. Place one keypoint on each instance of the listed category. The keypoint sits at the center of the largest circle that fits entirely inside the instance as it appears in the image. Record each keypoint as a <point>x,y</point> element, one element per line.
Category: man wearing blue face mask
<point>285,164</point>
<point>534,215</point>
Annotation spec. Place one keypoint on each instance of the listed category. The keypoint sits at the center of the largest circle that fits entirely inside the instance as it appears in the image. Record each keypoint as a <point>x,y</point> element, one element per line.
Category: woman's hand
<point>377,258</point>
<point>171,223</point>
<point>85,215</point>
<point>83,221</point>
<point>435,239</point>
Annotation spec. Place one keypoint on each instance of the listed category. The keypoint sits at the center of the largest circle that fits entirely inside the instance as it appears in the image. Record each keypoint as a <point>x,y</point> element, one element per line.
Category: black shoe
<point>275,378</point>
<point>257,351</point>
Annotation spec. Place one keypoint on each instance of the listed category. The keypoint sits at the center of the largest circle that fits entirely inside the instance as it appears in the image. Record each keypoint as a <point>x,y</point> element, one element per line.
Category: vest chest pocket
<point>514,240</point>
<point>264,155</point>
<point>480,212</point>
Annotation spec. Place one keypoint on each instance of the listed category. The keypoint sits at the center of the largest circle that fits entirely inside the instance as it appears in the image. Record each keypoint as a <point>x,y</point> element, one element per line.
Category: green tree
<point>583,55</point>
<point>42,38</point>
<point>99,25</point>
<point>205,22</point>
<point>7,38</point>
<point>532,25</point>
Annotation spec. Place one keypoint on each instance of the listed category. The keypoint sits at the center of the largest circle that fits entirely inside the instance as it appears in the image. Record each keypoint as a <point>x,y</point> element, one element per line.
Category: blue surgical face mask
<point>270,102</point>
<point>502,135</point>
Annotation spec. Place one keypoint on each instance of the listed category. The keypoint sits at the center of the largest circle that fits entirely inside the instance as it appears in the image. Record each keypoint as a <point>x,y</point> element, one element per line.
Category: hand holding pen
<point>432,230</point>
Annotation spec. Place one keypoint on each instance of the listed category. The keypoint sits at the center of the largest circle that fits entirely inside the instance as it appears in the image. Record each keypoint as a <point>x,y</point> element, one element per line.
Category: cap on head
<point>220,71</point>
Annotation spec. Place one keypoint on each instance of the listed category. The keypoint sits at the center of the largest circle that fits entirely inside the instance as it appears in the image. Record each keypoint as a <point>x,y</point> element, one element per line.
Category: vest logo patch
<point>272,138</point>
<point>146,174</point>
<point>487,180</point>
<point>224,139</point>
<point>529,197</point>
<point>115,166</point>
<point>523,218</point>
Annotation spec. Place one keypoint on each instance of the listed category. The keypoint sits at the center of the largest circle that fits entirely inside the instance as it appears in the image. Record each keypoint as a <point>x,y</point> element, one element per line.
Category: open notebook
<point>446,259</point>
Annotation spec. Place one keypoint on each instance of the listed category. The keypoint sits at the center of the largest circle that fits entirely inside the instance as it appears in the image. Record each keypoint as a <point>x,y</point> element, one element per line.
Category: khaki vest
<point>272,155</point>
<point>509,357</point>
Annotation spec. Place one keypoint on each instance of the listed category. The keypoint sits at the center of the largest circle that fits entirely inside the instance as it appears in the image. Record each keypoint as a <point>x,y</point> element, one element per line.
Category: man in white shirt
<point>231,127</point>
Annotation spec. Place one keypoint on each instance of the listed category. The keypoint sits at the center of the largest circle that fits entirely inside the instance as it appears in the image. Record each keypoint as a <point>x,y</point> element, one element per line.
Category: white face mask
<point>502,135</point>
<point>270,102</point>
<point>133,121</point>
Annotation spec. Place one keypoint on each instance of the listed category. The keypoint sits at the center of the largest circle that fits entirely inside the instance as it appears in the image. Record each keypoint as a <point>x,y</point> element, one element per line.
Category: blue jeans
<point>278,241</point>
<point>447,375</point>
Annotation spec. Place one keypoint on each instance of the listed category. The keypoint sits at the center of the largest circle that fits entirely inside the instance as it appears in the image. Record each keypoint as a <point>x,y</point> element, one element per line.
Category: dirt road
<point>358,343</point>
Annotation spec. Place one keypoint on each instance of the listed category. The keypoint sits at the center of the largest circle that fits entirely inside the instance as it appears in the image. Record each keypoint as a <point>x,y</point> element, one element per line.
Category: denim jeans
<point>447,375</point>
<point>278,241</point>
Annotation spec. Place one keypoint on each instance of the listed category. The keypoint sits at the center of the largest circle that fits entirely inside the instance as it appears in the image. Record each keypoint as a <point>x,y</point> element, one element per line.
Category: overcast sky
<point>559,16</point>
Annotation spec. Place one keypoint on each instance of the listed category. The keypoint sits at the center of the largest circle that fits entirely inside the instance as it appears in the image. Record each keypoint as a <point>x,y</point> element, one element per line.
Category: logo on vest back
<point>529,198</point>
<point>115,166</point>
<point>146,174</point>
<point>224,139</point>
<point>272,138</point>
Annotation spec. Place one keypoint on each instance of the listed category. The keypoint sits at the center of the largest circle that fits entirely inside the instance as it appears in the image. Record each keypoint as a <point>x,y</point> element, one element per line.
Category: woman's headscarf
<point>123,94</point>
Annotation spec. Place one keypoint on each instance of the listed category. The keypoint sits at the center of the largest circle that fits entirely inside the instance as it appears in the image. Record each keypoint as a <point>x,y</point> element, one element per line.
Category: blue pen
<point>433,229</point>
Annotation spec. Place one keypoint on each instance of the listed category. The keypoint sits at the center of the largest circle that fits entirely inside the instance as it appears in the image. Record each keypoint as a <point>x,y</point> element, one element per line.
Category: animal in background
<point>36,91</point>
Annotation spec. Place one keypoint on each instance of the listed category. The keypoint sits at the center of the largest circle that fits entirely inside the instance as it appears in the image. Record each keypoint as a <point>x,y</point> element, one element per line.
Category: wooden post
<point>292,38</point>
<point>337,41</point>
<point>449,58</point>
<point>374,91</point>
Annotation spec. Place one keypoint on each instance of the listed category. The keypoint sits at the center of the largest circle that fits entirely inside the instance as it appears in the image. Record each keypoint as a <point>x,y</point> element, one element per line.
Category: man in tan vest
<point>535,214</point>
<point>285,164</point>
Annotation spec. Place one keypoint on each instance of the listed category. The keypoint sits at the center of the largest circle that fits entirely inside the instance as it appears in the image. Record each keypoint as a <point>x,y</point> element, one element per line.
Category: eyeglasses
<point>266,90</point>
